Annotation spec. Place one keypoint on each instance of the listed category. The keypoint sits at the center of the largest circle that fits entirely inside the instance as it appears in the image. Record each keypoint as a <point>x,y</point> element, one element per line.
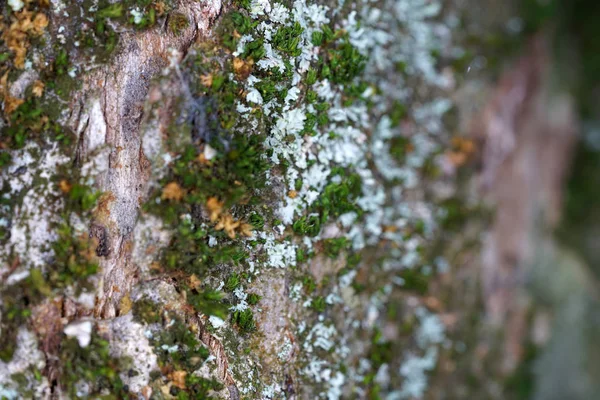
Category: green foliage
<point>147,311</point>
<point>333,247</point>
<point>257,221</point>
<point>318,304</point>
<point>287,39</point>
<point>208,301</point>
<point>308,225</point>
<point>342,62</point>
<point>92,364</point>
<point>233,282</point>
<point>177,23</point>
<point>244,321</point>
<point>253,299</point>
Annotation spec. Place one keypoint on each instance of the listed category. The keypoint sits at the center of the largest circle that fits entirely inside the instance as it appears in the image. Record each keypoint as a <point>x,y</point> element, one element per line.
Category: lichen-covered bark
<point>286,200</point>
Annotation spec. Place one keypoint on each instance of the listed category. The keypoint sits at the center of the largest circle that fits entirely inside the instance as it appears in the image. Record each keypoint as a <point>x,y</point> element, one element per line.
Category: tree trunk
<point>301,200</point>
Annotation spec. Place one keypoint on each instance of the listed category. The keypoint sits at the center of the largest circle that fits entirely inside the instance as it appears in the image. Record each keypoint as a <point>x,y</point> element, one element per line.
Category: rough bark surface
<point>265,201</point>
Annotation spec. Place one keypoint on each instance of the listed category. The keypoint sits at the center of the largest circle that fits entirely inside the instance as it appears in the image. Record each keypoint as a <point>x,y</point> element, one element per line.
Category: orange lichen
<point>215,207</point>
<point>224,221</point>
<point>178,378</point>
<point>38,88</point>
<point>16,36</point>
<point>228,224</point>
<point>462,150</point>
<point>246,229</point>
<point>206,80</point>
<point>64,186</point>
<point>194,281</point>
<point>242,68</point>
<point>172,192</point>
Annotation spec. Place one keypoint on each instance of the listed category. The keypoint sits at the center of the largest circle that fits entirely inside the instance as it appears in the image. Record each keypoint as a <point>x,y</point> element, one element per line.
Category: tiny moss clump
<point>244,320</point>
<point>177,23</point>
<point>308,225</point>
<point>253,299</point>
<point>92,364</point>
<point>333,247</point>
<point>233,282</point>
<point>180,353</point>
<point>146,311</point>
<point>287,39</point>
<point>318,304</point>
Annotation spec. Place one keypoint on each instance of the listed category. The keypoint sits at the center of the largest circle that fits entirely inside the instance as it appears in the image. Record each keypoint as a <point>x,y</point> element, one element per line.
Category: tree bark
<point>260,200</point>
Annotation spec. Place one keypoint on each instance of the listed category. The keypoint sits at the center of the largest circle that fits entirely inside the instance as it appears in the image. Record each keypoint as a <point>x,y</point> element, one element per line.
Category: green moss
<point>333,247</point>
<point>253,299</point>
<point>257,221</point>
<point>17,301</point>
<point>233,282</point>
<point>521,384</point>
<point>208,301</point>
<point>342,62</point>
<point>178,347</point>
<point>309,284</point>
<point>92,364</point>
<point>27,122</point>
<point>380,353</point>
<point>309,226</point>
<point>199,388</point>
<point>415,280</point>
<point>318,304</point>
<point>244,321</point>
<point>115,10</point>
<point>177,23</point>
<point>287,39</point>
<point>147,311</point>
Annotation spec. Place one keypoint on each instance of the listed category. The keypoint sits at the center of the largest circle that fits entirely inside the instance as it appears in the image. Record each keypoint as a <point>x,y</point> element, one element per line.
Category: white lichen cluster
<point>31,221</point>
<point>398,38</point>
<point>27,357</point>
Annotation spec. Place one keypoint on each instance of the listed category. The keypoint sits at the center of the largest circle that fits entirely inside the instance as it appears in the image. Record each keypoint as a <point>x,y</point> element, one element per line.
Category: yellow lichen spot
<point>246,229</point>
<point>40,22</point>
<point>16,36</point>
<point>228,224</point>
<point>64,186</point>
<point>125,305</point>
<point>292,194</point>
<point>206,80</point>
<point>242,68</point>
<point>172,192</point>
<point>462,149</point>
<point>194,281</point>
<point>215,207</point>
<point>160,8</point>
<point>178,378</point>
<point>11,104</point>
<point>390,228</point>
<point>38,88</point>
